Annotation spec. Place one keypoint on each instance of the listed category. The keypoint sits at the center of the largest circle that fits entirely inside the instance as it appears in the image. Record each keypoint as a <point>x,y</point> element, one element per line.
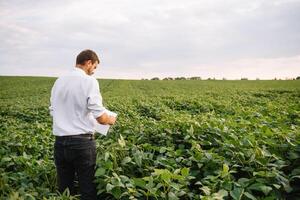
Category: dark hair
<point>85,56</point>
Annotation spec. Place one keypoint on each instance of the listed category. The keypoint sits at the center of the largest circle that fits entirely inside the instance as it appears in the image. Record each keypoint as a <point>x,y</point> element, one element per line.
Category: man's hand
<point>113,120</point>
<point>106,119</point>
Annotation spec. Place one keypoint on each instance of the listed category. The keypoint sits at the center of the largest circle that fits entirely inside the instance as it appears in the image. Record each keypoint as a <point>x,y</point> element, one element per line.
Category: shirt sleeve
<point>51,100</point>
<point>51,110</point>
<point>94,99</point>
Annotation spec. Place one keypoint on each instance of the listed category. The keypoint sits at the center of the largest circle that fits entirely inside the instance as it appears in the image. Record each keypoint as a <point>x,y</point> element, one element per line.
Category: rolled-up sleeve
<point>51,101</point>
<point>94,99</point>
<point>51,110</point>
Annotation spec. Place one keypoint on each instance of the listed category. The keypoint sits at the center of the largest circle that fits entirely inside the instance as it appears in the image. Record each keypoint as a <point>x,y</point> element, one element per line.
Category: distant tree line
<point>176,78</point>
<point>181,78</point>
<point>199,78</point>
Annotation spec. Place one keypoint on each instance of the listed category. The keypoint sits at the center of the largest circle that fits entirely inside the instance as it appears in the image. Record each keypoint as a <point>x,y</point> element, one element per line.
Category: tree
<point>195,78</point>
<point>180,78</point>
<point>155,78</point>
<point>298,78</point>
<point>168,78</point>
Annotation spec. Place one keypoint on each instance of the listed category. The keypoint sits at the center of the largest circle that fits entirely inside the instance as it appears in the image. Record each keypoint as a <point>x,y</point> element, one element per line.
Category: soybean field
<point>178,139</point>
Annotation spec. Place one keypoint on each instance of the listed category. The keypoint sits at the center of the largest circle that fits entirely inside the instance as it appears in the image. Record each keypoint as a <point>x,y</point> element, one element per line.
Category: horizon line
<point>173,78</point>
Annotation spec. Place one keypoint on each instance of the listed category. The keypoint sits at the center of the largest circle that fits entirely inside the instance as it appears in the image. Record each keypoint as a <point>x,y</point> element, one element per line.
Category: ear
<point>89,62</point>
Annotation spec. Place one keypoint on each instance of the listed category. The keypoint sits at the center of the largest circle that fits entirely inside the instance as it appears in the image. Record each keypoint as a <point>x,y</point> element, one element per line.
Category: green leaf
<point>243,181</point>
<point>109,187</point>
<point>276,186</point>
<point>177,171</point>
<point>138,158</point>
<point>185,171</point>
<point>126,160</point>
<point>297,177</point>
<point>106,156</point>
<point>260,187</point>
<point>100,172</point>
<point>150,183</point>
<point>121,141</point>
<point>6,159</point>
<point>166,176</point>
<point>287,187</point>
<point>206,190</point>
<point>190,131</point>
<point>158,172</point>
<point>172,196</point>
<point>296,171</point>
<point>124,179</point>
<point>116,192</point>
<point>237,193</point>
<point>162,150</point>
<point>108,165</point>
<point>175,186</point>
<point>139,182</point>
<point>286,184</point>
<point>220,195</point>
<point>225,170</point>
<point>250,196</point>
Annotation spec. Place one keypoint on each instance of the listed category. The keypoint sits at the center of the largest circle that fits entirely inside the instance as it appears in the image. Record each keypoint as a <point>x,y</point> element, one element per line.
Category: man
<point>75,99</point>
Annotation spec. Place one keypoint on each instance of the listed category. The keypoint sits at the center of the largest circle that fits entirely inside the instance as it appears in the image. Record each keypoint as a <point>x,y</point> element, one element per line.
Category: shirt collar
<point>80,70</point>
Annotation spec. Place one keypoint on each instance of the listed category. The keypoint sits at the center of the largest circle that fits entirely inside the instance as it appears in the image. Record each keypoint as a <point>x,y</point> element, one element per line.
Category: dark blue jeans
<point>76,155</point>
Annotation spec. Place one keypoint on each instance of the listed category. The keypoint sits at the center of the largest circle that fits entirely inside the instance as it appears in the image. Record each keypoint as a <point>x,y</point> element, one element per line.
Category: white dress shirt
<point>75,103</point>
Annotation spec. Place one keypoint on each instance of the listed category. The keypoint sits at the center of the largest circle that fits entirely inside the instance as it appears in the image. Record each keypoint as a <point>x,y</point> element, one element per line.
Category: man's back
<point>75,103</point>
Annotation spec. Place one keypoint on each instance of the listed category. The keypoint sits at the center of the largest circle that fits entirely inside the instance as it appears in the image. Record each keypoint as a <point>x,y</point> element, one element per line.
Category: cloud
<point>145,38</point>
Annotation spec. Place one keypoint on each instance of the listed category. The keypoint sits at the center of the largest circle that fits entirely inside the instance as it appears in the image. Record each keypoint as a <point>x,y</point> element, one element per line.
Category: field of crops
<point>173,140</point>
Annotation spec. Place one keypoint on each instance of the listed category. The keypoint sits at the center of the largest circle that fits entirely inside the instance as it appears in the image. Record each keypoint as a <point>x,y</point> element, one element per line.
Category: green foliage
<point>173,140</point>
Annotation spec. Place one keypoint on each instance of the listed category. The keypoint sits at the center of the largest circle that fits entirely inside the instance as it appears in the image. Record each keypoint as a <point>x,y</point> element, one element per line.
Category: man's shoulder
<point>74,74</point>
<point>93,79</point>
<point>83,79</point>
<point>88,79</point>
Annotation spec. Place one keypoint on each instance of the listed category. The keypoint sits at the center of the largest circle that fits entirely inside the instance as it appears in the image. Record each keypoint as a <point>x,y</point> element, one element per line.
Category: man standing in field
<point>75,99</point>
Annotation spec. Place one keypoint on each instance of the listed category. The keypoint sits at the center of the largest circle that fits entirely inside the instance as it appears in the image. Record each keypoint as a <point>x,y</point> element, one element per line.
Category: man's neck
<point>82,68</point>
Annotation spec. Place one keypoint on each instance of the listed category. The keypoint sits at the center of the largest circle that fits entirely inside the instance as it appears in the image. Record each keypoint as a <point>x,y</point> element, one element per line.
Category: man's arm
<point>95,105</point>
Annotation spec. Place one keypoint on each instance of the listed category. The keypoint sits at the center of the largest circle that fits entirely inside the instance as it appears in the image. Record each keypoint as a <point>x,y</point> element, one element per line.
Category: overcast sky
<point>142,39</point>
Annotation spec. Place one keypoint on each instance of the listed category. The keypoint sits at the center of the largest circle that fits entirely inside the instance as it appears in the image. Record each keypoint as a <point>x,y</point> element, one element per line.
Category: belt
<point>83,136</point>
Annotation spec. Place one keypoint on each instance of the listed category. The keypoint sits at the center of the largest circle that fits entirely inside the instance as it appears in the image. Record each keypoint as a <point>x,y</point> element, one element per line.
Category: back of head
<point>86,55</point>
